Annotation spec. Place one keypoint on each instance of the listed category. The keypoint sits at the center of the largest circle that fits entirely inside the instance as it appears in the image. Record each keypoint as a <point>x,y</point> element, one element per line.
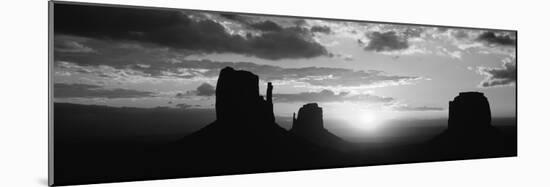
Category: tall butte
<point>244,137</point>
<point>469,111</point>
<point>469,131</point>
<point>238,100</point>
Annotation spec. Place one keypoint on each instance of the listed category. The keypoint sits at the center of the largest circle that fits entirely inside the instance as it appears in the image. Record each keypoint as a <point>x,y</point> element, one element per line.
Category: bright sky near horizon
<point>362,72</point>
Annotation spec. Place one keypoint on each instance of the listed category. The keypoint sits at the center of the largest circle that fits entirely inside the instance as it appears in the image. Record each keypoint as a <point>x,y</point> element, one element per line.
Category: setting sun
<point>359,118</point>
<point>363,120</point>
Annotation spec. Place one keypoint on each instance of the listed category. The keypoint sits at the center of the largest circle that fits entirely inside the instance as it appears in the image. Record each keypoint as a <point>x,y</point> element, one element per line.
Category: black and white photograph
<point>142,93</point>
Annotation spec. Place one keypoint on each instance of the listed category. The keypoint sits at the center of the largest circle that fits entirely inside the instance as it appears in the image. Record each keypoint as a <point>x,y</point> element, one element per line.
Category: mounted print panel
<point>153,93</point>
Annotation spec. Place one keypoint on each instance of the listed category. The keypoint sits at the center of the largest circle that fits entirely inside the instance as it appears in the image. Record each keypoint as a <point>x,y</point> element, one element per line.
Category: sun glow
<point>366,117</point>
<point>359,118</point>
<point>363,120</point>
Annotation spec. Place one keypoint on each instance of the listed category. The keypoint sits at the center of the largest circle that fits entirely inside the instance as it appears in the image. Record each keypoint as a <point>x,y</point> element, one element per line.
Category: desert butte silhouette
<point>245,138</point>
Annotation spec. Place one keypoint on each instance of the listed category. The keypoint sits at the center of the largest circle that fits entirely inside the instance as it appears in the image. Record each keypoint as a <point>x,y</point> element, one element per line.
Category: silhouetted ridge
<point>469,132</point>
<point>244,137</point>
<point>129,144</point>
<point>238,98</point>
<point>469,111</point>
<point>310,118</point>
<point>309,125</point>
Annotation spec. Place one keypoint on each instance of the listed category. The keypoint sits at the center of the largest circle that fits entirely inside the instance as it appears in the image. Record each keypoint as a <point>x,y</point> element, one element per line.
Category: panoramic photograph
<point>148,93</point>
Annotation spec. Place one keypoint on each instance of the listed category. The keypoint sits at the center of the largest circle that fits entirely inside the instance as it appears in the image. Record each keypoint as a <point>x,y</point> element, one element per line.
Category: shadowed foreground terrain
<point>107,144</point>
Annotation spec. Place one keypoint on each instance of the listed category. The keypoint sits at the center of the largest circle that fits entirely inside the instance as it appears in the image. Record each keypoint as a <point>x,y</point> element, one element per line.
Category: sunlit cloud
<point>329,96</point>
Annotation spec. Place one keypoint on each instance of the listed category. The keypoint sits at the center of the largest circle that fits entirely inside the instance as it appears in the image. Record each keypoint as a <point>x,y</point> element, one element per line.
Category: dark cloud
<point>174,29</point>
<point>329,96</point>
<point>116,54</point>
<point>288,43</point>
<point>412,108</point>
<point>186,95</point>
<point>181,95</point>
<point>187,69</point>
<point>267,26</point>
<point>415,32</point>
<point>386,41</point>
<point>442,29</point>
<point>460,34</point>
<point>342,56</point>
<point>184,106</point>
<point>206,89</point>
<point>320,29</point>
<point>324,76</point>
<point>505,75</point>
<point>232,16</point>
<point>299,22</point>
<point>501,39</point>
<point>131,59</point>
<point>62,90</point>
<point>71,46</point>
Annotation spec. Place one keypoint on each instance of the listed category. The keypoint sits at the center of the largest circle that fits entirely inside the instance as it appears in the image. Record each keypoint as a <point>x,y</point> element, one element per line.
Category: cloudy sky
<point>358,71</point>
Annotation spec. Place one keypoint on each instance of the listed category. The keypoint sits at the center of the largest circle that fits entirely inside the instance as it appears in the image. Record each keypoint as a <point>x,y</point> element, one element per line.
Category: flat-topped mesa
<point>310,119</point>
<point>238,99</point>
<point>469,111</point>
